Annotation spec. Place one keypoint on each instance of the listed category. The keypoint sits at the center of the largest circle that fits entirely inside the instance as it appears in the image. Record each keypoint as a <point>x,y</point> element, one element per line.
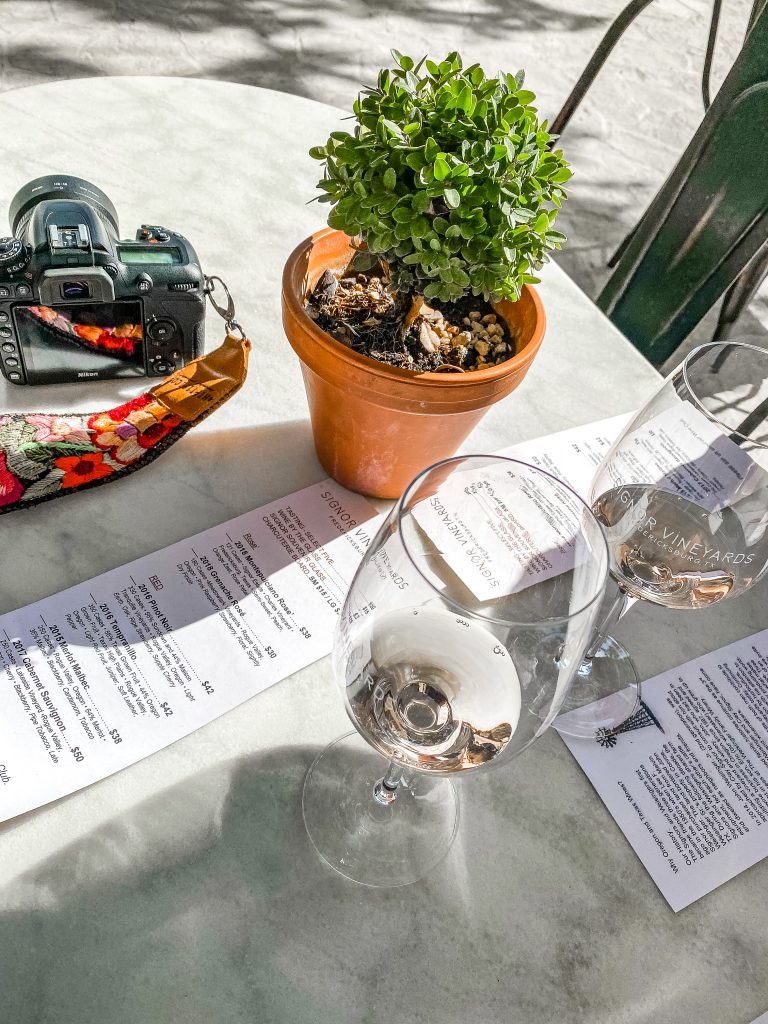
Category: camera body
<point>77,303</point>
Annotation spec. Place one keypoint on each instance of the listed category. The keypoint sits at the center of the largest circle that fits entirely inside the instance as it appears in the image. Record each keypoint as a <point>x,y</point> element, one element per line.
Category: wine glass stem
<point>621,604</point>
<point>385,790</point>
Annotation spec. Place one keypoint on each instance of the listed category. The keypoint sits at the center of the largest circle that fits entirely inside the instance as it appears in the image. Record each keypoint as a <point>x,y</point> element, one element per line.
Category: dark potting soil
<point>360,311</point>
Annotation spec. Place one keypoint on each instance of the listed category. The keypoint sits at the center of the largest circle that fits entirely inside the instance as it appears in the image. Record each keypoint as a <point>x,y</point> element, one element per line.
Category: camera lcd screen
<point>153,255</point>
<point>81,342</point>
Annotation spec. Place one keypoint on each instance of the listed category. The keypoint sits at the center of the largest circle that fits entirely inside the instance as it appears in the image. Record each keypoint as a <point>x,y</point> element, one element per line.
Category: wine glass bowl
<point>444,653</point>
<point>683,497</point>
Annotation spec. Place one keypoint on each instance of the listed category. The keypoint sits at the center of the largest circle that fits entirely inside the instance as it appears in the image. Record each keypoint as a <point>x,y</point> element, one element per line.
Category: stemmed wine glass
<point>683,497</point>
<point>482,562</point>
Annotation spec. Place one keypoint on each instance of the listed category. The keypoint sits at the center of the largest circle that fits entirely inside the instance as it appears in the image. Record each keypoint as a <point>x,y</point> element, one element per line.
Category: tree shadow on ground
<point>50,61</point>
<point>261,16</point>
<point>282,44</point>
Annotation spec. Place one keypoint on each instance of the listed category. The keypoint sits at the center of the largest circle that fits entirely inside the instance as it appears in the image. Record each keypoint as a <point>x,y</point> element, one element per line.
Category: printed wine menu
<point>686,777</point>
<point>109,671</point>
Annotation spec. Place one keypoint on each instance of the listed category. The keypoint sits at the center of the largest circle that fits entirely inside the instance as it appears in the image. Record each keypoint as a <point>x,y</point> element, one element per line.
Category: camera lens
<point>75,290</point>
<point>61,186</point>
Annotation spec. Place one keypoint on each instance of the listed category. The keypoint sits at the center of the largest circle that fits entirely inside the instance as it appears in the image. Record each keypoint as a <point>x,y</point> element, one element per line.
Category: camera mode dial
<point>13,255</point>
<point>153,233</point>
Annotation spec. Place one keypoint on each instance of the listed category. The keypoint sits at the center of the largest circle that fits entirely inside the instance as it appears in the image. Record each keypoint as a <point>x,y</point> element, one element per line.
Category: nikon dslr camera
<point>79,304</point>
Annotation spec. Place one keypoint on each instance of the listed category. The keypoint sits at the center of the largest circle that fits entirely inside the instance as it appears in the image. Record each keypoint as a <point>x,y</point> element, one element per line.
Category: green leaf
<point>467,100</point>
<point>513,116</point>
<point>391,127</point>
<point>562,175</point>
<point>441,168</point>
<point>419,227</point>
<point>390,178</point>
<point>525,96</point>
<point>337,220</point>
<point>431,149</point>
<point>318,152</point>
<point>452,198</point>
<point>387,205</point>
<point>421,202</point>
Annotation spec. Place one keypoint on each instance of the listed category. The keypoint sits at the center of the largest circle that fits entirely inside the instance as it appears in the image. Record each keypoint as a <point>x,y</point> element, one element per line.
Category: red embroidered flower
<point>81,469</point>
<point>11,488</point>
<point>158,431</point>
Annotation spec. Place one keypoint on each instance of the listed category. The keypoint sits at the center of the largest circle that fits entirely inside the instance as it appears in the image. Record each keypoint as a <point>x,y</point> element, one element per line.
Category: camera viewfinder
<point>75,290</point>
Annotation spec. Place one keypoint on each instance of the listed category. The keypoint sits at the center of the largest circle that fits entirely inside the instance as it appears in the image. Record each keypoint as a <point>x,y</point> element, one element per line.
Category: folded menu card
<point>686,778</point>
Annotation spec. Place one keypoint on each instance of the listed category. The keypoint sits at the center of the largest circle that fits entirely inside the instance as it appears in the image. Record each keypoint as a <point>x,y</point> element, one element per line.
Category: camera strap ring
<point>227,313</point>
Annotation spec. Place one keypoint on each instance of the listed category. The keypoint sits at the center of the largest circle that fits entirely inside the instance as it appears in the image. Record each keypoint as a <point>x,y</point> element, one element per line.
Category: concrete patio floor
<point>623,141</point>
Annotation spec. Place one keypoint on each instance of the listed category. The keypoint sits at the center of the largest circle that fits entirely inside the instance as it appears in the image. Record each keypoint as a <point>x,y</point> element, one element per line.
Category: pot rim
<point>516,363</point>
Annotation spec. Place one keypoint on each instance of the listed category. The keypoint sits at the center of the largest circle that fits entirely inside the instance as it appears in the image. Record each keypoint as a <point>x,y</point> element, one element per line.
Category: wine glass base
<point>604,694</point>
<point>372,843</point>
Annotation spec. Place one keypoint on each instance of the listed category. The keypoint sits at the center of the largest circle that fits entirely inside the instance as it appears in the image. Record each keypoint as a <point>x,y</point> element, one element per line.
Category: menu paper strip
<point>687,780</point>
<point>109,671</point>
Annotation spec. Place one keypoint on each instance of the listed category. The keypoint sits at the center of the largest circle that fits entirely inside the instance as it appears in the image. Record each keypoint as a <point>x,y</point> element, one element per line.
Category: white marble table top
<point>183,889</point>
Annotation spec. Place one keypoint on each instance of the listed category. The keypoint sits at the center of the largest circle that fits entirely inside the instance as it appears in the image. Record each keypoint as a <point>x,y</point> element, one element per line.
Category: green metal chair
<point>706,232</point>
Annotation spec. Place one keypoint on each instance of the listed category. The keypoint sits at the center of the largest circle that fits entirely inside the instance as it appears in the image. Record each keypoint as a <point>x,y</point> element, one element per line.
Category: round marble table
<point>183,888</point>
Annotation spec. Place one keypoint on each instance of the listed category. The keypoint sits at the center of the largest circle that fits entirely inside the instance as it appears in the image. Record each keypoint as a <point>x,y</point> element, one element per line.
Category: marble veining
<point>183,889</point>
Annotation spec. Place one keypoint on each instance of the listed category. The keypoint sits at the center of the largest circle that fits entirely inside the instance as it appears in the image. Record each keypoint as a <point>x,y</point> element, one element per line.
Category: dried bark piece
<point>428,340</point>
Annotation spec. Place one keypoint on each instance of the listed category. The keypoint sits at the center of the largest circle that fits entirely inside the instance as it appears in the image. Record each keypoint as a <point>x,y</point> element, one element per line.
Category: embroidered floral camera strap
<point>44,456</point>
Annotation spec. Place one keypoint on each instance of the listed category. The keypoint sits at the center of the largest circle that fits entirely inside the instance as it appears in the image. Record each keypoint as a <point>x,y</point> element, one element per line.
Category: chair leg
<point>741,293</point>
<point>615,31</point>
<point>712,39</point>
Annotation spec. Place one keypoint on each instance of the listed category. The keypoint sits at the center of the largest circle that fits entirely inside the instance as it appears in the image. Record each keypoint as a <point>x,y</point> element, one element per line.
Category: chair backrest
<point>708,220</point>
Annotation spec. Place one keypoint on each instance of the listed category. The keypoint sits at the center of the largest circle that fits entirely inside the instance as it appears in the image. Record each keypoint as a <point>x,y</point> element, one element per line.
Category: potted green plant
<point>414,311</point>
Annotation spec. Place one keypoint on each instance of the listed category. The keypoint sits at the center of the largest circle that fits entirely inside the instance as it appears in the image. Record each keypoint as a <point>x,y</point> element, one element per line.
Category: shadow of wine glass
<point>207,903</point>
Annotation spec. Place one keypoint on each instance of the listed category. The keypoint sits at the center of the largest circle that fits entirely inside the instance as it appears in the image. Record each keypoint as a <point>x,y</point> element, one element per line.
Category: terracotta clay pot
<point>377,426</point>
